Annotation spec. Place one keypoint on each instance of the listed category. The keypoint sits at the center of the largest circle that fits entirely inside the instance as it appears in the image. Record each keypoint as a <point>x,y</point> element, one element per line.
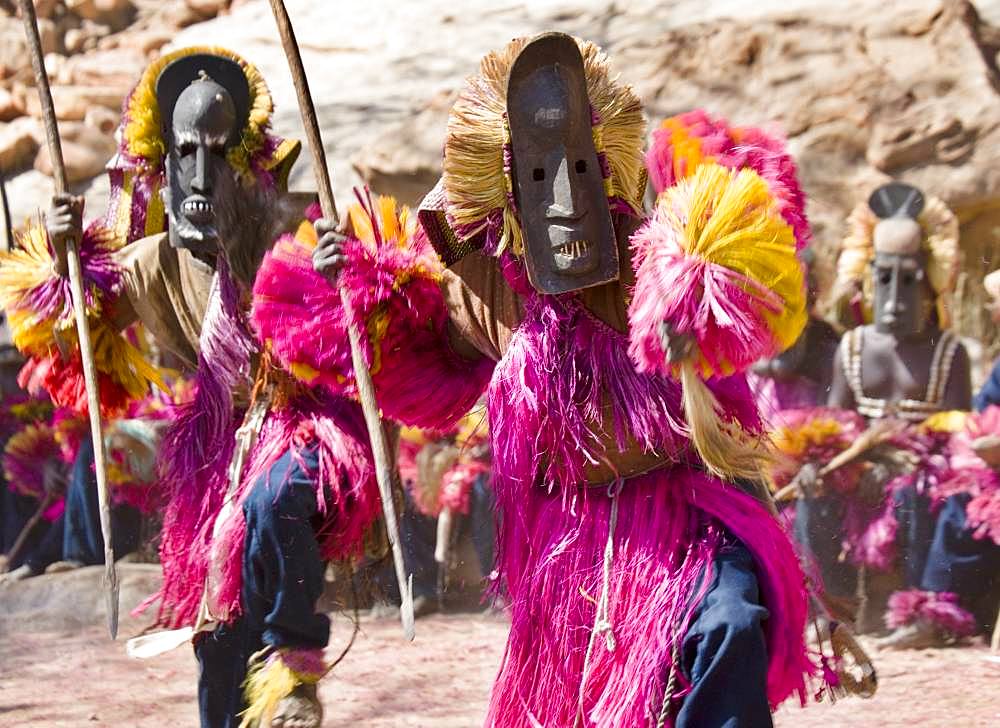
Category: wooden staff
<point>366,390</point>
<point>79,307</point>
<point>8,226</point>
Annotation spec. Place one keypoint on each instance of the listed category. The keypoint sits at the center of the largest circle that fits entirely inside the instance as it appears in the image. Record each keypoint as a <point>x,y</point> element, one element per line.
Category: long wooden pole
<point>8,225</point>
<point>366,390</point>
<point>79,308</point>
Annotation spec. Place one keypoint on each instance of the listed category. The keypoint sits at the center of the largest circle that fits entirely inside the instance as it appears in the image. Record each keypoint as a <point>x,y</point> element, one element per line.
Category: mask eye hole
<point>909,278</point>
<point>538,174</point>
<point>885,278</point>
<point>581,166</point>
<point>186,149</point>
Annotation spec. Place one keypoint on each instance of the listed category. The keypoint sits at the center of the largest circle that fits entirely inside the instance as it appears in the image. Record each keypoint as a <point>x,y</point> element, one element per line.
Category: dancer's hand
<point>677,346</point>
<point>64,223</point>
<point>988,448</point>
<point>329,257</point>
<point>808,480</point>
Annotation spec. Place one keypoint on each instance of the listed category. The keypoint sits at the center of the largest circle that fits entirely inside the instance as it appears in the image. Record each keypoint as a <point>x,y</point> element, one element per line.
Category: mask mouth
<point>574,257</point>
<point>198,210</point>
<point>573,250</point>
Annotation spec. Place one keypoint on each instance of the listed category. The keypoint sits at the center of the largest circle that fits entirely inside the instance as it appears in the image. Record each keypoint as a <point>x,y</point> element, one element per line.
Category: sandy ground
<point>73,680</point>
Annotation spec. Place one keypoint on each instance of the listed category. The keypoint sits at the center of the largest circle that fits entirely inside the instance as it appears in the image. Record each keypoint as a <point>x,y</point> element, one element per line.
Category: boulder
<point>117,67</point>
<point>11,104</point>
<point>14,59</point>
<point>146,42</point>
<point>103,120</point>
<point>46,8</point>
<point>85,149</point>
<point>207,8</point>
<point>405,160</point>
<point>73,102</point>
<point>19,142</point>
<point>116,14</point>
<point>74,599</point>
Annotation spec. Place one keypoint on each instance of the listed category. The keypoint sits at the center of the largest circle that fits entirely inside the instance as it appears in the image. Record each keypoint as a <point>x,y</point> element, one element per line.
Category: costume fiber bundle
<point>716,263</point>
<point>393,279</point>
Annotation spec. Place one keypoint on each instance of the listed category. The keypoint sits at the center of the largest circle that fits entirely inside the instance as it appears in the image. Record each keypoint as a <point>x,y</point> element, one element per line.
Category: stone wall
<point>865,90</point>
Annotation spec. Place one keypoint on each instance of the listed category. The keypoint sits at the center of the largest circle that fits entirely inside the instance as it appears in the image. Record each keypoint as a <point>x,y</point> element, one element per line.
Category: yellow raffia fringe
<point>732,222</point>
<point>143,133</point>
<point>726,449</point>
<point>795,441</point>
<point>857,251</point>
<point>26,267</point>
<point>947,421</point>
<point>117,357</point>
<point>475,182</point>
<point>267,683</point>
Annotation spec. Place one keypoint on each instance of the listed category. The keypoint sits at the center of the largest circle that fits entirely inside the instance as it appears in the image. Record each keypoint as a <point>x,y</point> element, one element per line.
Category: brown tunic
<point>167,290</point>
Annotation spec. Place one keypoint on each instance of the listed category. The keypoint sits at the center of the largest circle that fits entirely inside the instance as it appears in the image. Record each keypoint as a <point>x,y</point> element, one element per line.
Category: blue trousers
<point>82,538</point>
<point>724,653</point>
<point>282,581</point>
<point>818,521</point>
<point>957,562</point>
<point>418,537</point>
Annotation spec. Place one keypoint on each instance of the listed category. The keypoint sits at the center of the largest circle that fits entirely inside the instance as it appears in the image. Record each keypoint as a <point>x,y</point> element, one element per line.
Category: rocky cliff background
<point>865,90</point>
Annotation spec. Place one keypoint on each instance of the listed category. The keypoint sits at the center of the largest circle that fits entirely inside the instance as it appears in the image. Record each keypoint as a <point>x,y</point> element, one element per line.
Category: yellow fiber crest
<point>730,219</point>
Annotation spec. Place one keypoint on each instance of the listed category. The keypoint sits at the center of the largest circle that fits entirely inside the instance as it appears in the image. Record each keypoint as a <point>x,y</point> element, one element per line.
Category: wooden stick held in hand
<point>366,390</point>
<point>8,226</point>
<point>79,308</point>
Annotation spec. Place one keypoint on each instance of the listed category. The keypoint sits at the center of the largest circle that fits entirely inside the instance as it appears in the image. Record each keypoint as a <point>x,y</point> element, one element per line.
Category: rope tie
<point>671,686</point>
<point>602,618</point>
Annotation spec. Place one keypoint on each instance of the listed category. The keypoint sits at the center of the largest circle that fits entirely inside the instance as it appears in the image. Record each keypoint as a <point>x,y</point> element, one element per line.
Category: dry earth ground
<point>74,677</point>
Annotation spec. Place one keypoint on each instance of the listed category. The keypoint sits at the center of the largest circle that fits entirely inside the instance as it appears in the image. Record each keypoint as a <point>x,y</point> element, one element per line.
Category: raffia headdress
<point>853,289</point>
<point>473,206</point>
<point>136,173</point>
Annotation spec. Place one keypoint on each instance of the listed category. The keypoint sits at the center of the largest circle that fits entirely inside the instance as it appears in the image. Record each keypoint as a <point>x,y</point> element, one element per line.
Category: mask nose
<point>563,192</point>
<point>202,181</point>
<point>894,305</point>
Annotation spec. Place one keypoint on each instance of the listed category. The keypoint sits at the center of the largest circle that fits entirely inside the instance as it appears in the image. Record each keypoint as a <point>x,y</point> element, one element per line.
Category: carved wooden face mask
<point>903,298</point>
<point>569,239</point>
<point>202,117</point>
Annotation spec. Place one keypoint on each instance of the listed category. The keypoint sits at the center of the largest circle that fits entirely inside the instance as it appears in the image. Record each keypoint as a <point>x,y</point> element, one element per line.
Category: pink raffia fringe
<point>565,371</point>
<point>197,450</point>
<point>668,532</point>
<point>457,483</point>
<point>972,476</point>
<point>687,140</point>
<point>938,608</point>
<point>721,309</point>
<point>394,289</point>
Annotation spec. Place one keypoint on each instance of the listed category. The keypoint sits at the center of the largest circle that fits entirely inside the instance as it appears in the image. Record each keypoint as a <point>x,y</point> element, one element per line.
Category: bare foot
<point>920,635</point>
<point>301,709</point>
<point>60,566</point>
<point>19,574</point>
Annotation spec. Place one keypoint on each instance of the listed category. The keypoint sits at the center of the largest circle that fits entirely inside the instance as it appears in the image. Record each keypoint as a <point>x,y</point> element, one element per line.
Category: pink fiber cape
<point>395,291</point>
<point>198,448</point>
<point>563,371</point>
<point>938,608</point>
